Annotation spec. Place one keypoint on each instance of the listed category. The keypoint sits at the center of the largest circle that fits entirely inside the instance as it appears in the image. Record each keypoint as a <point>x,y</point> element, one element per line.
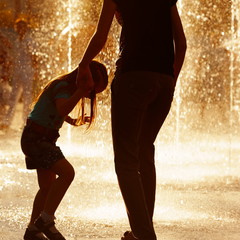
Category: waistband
<point>51,134</point>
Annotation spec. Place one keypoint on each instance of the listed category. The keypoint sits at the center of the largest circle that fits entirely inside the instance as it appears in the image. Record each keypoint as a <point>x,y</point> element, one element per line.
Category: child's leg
<point>45,179</point>
<point>45,222</point>
<point>65,173</point>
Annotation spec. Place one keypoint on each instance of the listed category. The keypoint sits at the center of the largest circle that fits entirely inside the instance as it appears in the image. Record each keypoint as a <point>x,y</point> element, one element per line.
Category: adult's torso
<point>146,39</point>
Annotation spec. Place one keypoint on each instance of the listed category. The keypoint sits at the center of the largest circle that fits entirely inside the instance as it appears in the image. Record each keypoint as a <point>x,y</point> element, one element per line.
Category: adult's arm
<point>84,78</point>
<point>99,38</point>
<point>180,44</point>
<point>96,43</point>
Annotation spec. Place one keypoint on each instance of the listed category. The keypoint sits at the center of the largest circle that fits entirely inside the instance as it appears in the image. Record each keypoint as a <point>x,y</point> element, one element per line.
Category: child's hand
<point>84,80</point>
<point>74,121</point>
<point>86,119</point>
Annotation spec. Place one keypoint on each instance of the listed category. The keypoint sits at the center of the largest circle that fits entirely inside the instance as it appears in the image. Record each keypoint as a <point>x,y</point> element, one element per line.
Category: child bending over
<point>38,143</point>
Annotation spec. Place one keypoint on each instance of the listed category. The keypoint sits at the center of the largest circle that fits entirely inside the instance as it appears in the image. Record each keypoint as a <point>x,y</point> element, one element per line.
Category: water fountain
<point>196,151</point>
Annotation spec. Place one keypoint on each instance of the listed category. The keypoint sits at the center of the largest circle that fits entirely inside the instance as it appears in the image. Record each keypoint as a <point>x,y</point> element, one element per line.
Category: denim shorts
<point>40,152</point>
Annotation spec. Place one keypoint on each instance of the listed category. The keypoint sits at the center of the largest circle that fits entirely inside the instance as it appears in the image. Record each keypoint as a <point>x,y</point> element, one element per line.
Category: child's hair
<point>100,78</point>
<point>102,82</point>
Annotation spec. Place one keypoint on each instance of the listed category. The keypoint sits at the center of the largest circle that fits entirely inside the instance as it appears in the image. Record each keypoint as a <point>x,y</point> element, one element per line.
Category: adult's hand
<point>84,80</point>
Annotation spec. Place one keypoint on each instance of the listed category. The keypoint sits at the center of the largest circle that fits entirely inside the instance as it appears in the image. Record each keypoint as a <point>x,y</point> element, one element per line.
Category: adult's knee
<point>126,169</point>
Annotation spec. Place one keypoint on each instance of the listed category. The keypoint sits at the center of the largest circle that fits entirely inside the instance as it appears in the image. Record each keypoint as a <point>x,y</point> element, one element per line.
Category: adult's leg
<point>130,95</point>
<point>154,118</point>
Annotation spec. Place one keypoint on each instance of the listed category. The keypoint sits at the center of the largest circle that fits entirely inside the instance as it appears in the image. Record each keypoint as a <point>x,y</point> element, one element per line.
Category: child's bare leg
<point>45,179</point>
<point>45,222</point>
<point>65,173</point>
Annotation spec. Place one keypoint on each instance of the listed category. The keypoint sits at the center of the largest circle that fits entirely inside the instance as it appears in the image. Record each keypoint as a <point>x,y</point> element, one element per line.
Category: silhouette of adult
<point>152,51</point>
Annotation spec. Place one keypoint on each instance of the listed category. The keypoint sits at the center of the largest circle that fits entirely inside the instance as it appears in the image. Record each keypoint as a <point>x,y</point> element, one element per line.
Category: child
<point>38,143</point>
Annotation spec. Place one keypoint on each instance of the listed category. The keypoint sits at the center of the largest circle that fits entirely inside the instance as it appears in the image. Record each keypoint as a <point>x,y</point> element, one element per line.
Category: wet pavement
<point>197,191</point>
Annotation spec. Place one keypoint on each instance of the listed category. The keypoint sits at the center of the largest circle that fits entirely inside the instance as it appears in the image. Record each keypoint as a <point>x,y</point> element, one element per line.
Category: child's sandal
<point>34,235</point>
<point>45,228</point>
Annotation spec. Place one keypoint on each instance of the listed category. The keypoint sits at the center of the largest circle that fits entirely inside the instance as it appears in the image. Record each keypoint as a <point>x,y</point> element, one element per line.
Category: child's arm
<point>73,121</point>
<point>180,43</point>
<point>66,105</point>
<point>70,120</point>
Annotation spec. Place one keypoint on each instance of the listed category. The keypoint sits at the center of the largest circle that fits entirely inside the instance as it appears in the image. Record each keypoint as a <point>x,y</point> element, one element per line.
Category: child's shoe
<point>48,229</point>
<point>34,235</point>
<point>128,235</point>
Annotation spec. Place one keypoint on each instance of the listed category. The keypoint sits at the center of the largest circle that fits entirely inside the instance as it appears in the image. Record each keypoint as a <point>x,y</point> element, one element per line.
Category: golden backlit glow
<point>197,149</point>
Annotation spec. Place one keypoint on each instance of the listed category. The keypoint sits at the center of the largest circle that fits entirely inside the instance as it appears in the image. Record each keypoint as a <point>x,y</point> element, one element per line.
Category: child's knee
<point>64,170</point>
<point>69,174</point>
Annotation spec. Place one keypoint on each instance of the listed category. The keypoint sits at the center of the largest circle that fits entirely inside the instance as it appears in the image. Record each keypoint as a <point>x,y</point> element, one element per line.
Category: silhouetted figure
<point>38,143</point>
<point>152,51</point>
<point>5,62</point>
<point>23,72</point>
